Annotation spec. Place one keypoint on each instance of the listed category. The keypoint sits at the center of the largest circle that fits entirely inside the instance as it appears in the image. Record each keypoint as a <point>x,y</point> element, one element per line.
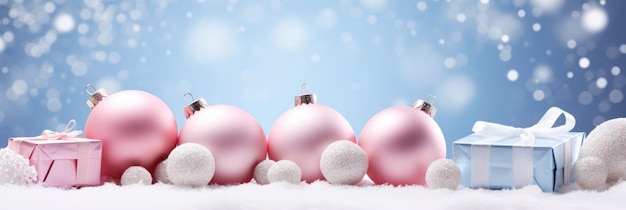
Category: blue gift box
<point>549,158</point>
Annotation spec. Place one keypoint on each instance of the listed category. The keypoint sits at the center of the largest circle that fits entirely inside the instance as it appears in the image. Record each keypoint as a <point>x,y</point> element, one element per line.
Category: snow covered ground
<point>318,195</point>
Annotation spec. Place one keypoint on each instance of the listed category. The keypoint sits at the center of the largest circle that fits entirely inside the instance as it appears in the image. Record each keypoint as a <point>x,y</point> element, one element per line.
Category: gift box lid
<point>56,149</point>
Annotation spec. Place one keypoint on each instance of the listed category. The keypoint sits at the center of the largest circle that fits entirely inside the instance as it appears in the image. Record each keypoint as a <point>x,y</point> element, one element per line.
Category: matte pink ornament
<point>136,129</point>
<point>401,142</point>
<point>233,136</point>
<point>302,133</point>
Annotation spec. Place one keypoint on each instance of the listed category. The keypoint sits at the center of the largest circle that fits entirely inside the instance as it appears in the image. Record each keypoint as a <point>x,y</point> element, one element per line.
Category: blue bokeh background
<point>504,61</point>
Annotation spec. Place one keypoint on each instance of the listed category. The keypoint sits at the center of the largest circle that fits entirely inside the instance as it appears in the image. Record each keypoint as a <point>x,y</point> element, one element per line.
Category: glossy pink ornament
<point>302,133</point>
<point>233,136</point>
<point>136,129</point>
<point>401,142</point>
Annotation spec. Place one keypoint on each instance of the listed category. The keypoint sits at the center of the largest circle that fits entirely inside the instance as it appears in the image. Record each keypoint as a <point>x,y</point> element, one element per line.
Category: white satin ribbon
<point>522,150</point>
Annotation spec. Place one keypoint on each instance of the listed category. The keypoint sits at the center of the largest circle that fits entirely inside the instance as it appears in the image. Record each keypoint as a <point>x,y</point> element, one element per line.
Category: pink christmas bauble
<point>302,133</point>
<point>233,136</point>
<point>136,129</point>
<point>400,143</point>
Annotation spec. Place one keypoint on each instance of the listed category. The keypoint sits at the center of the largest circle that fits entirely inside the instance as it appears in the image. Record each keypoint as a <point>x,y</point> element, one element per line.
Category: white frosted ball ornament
<point>260,171</point>
<point>190,165</point>
<point>343,162</point>
<point>590,173</point>
<point>14,169</point>
<point>136,175</point>
<point>284,171</point>
<point>160,173</point>
<point>608,142</point>
<point>443,173</point>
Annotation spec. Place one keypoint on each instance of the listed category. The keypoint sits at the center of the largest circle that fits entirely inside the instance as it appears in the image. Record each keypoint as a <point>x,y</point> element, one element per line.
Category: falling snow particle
<point>346,37</point>
<point>315,58</point>
<point>585,98</point>
<point>49,7</point>
<point>421,6</point>
<point>584,62</point>
<point>512,75</point>
<point>521,13</point>
<point>79,68</point>
<point>597,120</point>
<point>371,19</point>
<point>54,105</point>
<point>289,34</point>
<point>8,36</point>
<point>604,106</point>
<point>19,87</point>
<point>538,95</point>
<point>570,74</point>
<point>615,70</point>
<point>543,73</point>
<point>460,17</point>
<point>616,96</point>
<point>601,82</point>
<point>505,38</point>
<point>505,55</point>
<point>571,44</point>
<point>83,28</point>
<point>2,45</point>
<point>64,23</point>
<point>622,48</point>
<point>594,20</point>
<point>536,27</point>
<point>114,57</point>
<point>449,62</point>
<point>374,5</point>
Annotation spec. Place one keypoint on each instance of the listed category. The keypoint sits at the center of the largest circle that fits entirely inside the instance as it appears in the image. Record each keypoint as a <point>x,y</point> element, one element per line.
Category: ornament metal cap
<point>305,97</point>
<point>195,106</point>
<point>425,106</point>
<point>96,96</point>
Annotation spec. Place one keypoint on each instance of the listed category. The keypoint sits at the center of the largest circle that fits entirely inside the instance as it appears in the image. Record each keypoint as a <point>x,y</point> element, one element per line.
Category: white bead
<point>190,165</point>
<point>284,171</point>
<point>443,173</point>
<point>343,162</point>
<point>160,173</point>
<point>260,171</point>
<point>608,142</point>
<point>136,175</point>
<point>590,173</point>
<point>14,169</point>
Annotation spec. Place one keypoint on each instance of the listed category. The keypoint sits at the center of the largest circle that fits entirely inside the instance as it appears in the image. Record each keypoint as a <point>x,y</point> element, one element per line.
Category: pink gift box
<point>69,162</point>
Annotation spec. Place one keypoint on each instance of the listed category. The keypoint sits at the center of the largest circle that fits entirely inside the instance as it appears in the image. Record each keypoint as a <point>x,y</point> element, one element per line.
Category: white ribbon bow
<point>522,150</point>
<point>67,133</point>
<point>543,128</point>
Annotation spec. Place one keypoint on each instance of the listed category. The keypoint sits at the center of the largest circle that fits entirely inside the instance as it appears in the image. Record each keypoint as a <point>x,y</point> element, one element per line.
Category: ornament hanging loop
<point>433,97</point>
<point>426,106</point>
<point>185,97</point>
<point>305,89</point>
<point>88,87</point>
<point>305,97</point>
<point>96,96</point>
<point>194,106</point>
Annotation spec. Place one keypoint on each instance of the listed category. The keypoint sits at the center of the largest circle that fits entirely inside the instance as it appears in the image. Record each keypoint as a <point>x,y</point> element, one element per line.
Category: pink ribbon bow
<point>67,133</point>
